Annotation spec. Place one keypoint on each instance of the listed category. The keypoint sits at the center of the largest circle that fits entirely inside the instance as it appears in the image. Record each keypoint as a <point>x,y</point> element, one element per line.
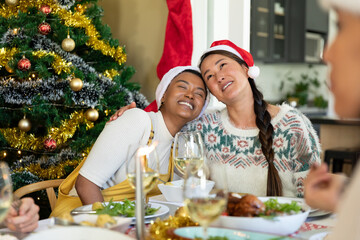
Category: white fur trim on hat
<point>225,48</point>
<point>254,72</point>
<point>352,6</point>
<point>168,77</point>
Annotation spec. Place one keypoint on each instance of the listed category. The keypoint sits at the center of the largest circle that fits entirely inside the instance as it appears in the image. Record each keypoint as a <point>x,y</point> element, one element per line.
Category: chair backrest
<point>48,185</point>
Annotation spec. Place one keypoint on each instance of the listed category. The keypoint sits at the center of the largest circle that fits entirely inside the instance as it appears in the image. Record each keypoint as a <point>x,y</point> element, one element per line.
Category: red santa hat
<point>352,6</point>
<point>168,77</point>
<point>229,46</point>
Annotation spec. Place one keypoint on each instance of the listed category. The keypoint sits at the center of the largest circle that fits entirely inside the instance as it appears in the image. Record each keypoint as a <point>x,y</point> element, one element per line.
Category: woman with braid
<point>266,149</point>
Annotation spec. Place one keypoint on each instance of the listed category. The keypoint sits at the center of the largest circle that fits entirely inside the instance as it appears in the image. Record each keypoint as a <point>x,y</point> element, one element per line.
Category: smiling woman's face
<point>343,55</point>
<point>185,96</point>
<point>225,78</point>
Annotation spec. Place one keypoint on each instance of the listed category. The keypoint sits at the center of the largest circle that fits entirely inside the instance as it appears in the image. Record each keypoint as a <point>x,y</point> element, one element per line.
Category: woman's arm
<point>84,187</point>
<point>120,112</point>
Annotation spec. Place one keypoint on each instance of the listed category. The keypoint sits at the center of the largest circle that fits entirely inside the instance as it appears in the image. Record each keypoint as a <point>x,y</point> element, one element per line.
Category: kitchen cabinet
<point>279,28</point>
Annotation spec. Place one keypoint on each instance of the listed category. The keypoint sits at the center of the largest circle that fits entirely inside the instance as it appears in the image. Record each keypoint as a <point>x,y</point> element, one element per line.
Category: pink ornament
<point>44,28</point>
<point>50,144</point>
<point>24,64</point>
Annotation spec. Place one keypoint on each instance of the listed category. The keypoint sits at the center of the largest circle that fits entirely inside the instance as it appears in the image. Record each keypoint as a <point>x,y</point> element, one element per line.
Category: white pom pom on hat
<point>352,6</point>
<point>229,46</point>
<point>168,77</point>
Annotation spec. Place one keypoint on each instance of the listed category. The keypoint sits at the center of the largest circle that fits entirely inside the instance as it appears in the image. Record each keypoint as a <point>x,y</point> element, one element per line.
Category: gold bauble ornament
<point>181,212</point>
<point>8,68</point>
<point>76,84</point>
<point>68,44</point>
<point>92,114</point>
<point>12,2</point>
<point>24,124</point>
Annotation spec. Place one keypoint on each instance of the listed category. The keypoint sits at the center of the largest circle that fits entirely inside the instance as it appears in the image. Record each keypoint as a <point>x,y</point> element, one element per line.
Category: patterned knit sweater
<point>295,144</point>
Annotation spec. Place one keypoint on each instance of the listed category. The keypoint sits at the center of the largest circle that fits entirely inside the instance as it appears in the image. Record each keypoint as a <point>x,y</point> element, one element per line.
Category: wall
<point>140,26</point>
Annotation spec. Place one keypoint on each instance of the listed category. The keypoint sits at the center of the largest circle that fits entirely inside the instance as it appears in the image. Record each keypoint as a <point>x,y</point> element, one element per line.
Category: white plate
<point>121,225</point>
<point>281,225</point>
<point>77,233</point>
<point>162,211</point>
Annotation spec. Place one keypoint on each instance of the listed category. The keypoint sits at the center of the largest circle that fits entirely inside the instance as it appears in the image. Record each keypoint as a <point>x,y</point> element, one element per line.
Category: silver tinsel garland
<point>51,89</point>
<point>47,161</point>
<point>66,4</point>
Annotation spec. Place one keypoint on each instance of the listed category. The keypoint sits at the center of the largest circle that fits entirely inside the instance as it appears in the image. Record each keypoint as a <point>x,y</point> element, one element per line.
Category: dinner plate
<point>193,232</point>
<point>317,213</point>
<point>76,233</point>
<point>162,211</point>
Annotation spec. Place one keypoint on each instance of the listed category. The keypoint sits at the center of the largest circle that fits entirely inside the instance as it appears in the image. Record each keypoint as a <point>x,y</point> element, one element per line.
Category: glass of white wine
<point>188,151</point>
<point>202,205</point>
<point>149,165</point>
<point>5,190</point>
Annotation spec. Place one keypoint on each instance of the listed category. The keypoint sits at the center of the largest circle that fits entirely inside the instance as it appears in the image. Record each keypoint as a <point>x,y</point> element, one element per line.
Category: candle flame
<point>145,150</point>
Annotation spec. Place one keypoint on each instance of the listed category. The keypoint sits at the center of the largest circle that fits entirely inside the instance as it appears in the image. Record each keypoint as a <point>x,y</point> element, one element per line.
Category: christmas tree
<point>62,75</point>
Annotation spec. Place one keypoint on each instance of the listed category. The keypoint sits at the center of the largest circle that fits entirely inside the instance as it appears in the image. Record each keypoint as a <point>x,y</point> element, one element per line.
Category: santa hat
<point>352,6</point>
<point>168,77</point>
<point>229,46</point>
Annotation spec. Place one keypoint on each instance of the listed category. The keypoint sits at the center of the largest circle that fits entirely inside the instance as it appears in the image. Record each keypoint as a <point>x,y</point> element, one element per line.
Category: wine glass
<point>149,166</point>
<point>5,190</point>
<point>203,204</point>
<point>188,151</point>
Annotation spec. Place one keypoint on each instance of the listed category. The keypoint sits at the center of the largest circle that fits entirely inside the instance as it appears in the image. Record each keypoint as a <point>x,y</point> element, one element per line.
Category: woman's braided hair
<point>263,122</point>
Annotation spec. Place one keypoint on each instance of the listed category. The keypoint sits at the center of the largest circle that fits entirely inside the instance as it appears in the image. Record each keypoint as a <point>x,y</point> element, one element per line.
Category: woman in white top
<point>181,96</point>
<point>322,189</point>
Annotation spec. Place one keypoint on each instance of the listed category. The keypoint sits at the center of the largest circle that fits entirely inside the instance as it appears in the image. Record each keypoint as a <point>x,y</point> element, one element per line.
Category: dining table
<point>312,227</point>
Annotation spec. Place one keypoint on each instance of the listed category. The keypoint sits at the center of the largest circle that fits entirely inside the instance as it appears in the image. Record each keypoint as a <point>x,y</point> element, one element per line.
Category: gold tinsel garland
<point>161,229</point>
<point>111,73</point>
<point>70,19</point>
<point>21,140</point>
<point>53,172</point>
<point>6,55</point>
<point>59,65</point>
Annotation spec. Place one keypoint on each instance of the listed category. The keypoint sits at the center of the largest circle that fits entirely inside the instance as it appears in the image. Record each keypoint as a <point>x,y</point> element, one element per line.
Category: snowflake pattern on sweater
<point>295,143</point>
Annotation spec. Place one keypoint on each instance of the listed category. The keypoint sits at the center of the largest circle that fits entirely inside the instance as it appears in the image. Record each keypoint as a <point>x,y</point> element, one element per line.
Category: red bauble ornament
<point>46,9</point>
<point>44,28</point>
<point>50,144</point>
<point>24,64</point>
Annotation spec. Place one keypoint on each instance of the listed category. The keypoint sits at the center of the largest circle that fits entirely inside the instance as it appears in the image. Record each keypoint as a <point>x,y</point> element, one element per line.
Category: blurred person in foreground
<point>322,189</point>
<point>25,219</point>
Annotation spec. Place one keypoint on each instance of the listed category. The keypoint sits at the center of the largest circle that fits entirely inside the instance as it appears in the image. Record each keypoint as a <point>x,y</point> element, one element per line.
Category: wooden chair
<point>48,185</point>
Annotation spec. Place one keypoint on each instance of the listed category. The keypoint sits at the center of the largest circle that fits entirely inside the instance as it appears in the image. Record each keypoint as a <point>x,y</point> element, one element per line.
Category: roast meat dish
<point>246,206</point>
<point>251,206</point>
